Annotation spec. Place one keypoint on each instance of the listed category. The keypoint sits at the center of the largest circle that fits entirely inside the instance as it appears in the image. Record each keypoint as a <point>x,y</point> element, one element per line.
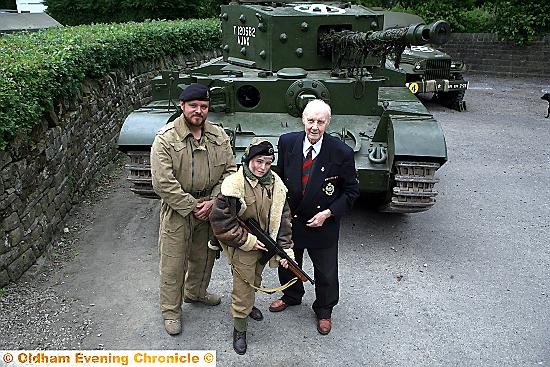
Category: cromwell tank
<point>276,58</point>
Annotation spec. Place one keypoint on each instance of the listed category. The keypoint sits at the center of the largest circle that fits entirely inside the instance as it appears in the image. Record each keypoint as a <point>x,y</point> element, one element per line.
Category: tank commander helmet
<point>258,146</point>
<point>195,92</point>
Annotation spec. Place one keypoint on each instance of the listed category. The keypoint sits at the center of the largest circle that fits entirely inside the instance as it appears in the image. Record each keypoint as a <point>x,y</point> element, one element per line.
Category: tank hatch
<point>292,73</point>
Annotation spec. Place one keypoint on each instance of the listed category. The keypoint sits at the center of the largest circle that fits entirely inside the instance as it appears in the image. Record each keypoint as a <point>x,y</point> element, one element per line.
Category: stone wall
<point>45,172</point>
<point>484,53</point>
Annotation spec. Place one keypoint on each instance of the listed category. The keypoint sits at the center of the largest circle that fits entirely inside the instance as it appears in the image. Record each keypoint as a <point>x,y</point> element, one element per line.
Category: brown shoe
<point>278,306</point>
<point>324,326</point>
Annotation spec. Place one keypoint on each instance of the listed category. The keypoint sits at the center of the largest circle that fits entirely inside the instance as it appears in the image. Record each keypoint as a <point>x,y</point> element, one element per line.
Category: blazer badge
<point>329,189</point>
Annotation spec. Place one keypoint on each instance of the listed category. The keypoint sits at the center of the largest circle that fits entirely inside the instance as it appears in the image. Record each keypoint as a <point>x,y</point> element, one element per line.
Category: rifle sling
<point>266,290</point>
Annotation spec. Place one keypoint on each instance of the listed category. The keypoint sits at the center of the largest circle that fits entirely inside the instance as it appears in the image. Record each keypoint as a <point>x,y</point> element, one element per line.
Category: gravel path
<point>97,286</point>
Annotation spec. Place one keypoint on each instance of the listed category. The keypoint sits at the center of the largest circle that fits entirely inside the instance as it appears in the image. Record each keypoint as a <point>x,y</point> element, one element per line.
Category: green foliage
<point>518,21</point>
<point>464,16</point>
<point>375,3</point>
<point>38,68</point>
<point>8,4</point>
<point>75,12</point>
<point>432,10</point>
<point>477,20</point>
<point>521,21</point>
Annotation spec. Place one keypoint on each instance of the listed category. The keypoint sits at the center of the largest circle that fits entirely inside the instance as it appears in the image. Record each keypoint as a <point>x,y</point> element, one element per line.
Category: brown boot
<point>173,327</point>
<point>210,299</point>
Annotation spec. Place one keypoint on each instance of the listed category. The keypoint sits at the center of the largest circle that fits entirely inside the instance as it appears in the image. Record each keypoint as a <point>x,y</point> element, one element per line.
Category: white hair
<point>316,105</point>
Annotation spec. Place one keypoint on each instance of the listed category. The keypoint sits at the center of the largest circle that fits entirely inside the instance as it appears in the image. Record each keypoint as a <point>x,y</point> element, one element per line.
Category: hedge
<point>36,69</point>
<point>521,21</point>
<point>76,12</point>
<point>8,4</point>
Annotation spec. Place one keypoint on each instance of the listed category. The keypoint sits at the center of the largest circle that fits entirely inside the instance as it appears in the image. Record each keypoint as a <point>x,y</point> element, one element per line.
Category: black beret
<point>256,148</point>
<point>196,92</point>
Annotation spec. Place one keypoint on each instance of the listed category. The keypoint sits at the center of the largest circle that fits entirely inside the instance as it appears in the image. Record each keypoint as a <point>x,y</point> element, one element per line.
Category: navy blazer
<point>331,185</point>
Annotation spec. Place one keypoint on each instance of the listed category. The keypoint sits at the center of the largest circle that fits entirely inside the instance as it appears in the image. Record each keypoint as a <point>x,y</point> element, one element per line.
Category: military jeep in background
<point>428,71</point>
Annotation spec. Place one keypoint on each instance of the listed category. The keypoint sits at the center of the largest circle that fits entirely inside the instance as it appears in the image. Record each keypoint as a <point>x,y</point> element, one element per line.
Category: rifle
<point>273,249</point>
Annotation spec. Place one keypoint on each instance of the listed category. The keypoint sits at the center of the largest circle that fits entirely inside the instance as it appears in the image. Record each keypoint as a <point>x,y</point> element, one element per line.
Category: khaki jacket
<point>225,210</point>
<point>185,170</point>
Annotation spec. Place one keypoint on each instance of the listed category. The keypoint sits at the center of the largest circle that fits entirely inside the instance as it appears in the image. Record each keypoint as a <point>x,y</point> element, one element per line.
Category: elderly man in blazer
<point>319,172</point>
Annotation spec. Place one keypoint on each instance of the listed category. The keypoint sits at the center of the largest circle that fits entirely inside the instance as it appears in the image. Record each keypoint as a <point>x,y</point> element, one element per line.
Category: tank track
<point>413,190</point>
<point>414,187</point>
<point>139,174</point>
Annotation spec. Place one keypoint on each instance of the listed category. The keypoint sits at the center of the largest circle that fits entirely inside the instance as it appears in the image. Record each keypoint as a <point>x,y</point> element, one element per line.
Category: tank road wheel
<point>139,174</point>
<point>414,187</point>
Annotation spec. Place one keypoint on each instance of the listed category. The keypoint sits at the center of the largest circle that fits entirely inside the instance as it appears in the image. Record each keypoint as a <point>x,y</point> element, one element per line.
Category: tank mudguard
<point>140,127</point>
<point>417,136</point>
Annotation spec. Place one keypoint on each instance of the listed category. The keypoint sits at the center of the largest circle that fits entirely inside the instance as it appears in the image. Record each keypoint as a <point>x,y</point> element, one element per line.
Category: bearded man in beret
<point>190,158</point>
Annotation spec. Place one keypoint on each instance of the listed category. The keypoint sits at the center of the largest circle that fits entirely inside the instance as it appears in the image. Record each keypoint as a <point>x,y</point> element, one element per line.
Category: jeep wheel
<point>454,100</point>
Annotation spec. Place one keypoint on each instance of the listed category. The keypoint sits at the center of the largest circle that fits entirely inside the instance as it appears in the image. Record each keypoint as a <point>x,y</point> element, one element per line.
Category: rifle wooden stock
<point>300,274</point>
<point>273,249</point>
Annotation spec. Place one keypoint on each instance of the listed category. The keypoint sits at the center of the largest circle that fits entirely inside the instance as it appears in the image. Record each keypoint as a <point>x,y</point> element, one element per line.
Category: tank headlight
<point>456,64</point>
<point>417,65</point>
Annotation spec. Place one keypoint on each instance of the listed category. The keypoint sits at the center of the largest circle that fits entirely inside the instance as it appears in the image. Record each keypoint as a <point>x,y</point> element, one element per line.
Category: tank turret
<point>272,36</point>
<point>276,57</point>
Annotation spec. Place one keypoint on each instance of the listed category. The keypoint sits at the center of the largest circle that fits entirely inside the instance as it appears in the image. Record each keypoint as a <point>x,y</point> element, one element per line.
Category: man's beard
<point>191,123</point>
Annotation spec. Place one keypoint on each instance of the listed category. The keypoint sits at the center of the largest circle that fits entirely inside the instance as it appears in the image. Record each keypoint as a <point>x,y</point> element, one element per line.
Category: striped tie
<point>306,169</point>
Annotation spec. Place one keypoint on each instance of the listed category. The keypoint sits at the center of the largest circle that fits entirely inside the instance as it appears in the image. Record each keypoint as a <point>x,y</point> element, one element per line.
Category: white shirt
<point>316,147</point>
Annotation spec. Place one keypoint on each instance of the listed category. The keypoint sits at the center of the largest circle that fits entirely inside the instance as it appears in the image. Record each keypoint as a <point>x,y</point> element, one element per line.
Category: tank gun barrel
<point>413,35</point>
<point>351,48</point>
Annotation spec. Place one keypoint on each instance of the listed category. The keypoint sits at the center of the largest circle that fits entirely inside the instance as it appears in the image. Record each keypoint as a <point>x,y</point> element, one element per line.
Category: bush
<point>521,21</point>
<point>514,20</point>
<point>375,3</point>
<point>477,20</point>
<point>8,4</point>
<point>76,12</point>
<point>432,10</point>
<point>38,68</point>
